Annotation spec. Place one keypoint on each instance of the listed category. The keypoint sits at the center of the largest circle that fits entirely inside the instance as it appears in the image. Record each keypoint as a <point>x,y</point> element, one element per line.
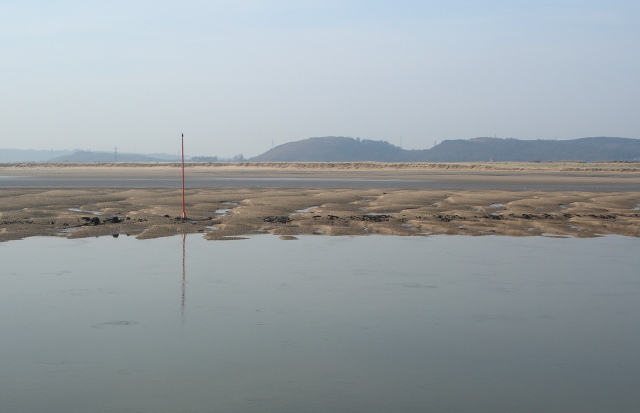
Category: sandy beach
<point>233,213</point>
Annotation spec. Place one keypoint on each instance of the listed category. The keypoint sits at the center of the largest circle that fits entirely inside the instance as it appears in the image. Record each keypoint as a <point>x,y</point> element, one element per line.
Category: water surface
<point>453,182</point>
<point>340,324</point>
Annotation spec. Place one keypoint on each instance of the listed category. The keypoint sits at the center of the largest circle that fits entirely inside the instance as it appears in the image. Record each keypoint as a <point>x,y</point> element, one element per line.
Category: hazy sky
<point>235,76</point>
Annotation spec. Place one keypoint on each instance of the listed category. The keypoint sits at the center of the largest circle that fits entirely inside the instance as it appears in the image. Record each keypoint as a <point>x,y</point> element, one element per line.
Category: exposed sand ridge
<point>227,214</point>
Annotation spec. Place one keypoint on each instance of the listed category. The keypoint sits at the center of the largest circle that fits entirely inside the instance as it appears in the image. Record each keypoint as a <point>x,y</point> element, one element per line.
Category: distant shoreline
<point>568,166</point>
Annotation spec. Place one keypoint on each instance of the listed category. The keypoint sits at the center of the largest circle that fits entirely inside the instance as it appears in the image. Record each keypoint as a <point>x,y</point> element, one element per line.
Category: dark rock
<point>371,217</point>
<point>445,218</point>
<point>376,218</point>
<point>277,219</point>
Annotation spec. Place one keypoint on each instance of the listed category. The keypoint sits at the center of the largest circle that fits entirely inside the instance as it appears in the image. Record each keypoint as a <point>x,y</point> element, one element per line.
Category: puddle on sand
<point>222,212</point>
<point>496,206</point>
<point>64,231</point>
<point>302,211</point>
<point>85,212</point>
<point>547,235</point>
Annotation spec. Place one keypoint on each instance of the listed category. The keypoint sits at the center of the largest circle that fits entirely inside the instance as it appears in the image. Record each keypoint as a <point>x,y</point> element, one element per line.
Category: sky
<point>236,77</point>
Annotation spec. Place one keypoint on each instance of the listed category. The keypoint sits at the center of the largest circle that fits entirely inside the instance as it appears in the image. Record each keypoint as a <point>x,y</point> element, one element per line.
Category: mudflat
<point>602,176</point>
<point>230,213</point>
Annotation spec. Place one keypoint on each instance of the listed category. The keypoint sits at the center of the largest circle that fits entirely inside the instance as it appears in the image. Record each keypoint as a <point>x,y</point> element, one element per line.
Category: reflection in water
<point>184,274</point>
<point>339,324</point>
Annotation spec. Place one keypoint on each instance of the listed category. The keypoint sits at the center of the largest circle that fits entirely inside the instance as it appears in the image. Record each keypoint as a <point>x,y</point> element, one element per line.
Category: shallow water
<point>452,182</point>
<point>442,323</point>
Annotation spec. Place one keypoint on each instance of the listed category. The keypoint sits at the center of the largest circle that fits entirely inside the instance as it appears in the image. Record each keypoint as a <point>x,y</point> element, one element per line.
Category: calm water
<point>447,183</point>
<point>323,324</point>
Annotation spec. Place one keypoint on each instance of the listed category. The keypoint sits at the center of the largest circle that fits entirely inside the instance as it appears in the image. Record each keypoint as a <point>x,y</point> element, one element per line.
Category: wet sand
<point>229,213</point>
<point>234,213</point>
<point>561,176</point>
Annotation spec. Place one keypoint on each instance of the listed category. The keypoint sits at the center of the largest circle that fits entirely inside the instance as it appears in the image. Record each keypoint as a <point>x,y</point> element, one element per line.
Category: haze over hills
<point>344,149</point>
<point>29,155</point>
<point>19,155</point>
<point>90,157</point>
<point>80,156</point>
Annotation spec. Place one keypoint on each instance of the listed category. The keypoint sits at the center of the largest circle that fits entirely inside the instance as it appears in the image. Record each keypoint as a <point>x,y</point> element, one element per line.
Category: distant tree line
<point>204,159</point>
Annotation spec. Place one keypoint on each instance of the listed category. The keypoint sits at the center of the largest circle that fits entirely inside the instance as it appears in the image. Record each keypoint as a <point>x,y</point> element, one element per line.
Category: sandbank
<point>233,213</point>
<point>287,212</point>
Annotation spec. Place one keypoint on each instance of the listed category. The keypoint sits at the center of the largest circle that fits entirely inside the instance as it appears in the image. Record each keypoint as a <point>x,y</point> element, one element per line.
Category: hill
<point>344,149</point>
<point>29,155</point>
<point>499,150</point>
<point>333,149</point>
<point>91,157</point>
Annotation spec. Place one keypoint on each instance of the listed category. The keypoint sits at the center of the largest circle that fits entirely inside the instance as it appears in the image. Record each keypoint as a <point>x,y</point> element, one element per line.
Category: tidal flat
<point>230,213</point>
<point>225,201</point>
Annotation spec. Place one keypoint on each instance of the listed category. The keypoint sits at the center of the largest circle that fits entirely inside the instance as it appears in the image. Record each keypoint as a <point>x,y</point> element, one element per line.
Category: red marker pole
<point>184,214</point>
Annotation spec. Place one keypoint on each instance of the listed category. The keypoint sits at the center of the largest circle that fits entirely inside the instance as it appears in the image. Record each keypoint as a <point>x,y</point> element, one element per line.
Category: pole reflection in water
<point>461,324</point>
<point>184,274</point>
